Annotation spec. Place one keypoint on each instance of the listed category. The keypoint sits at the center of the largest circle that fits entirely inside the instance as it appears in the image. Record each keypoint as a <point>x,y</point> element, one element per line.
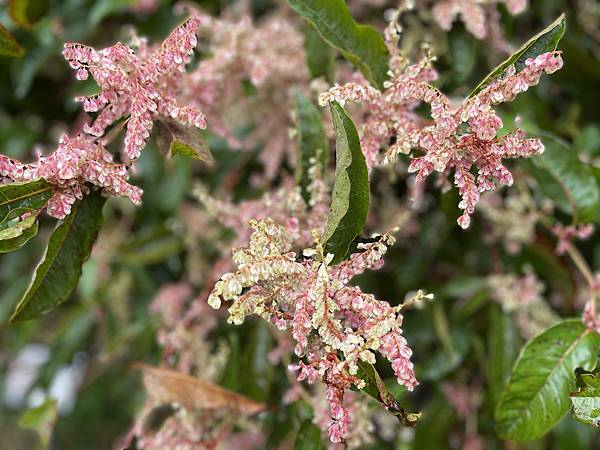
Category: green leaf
<point>185,149</point>
<point>18,198</point>
<point>149,246</point>
<point>18,233</point>
<point>25,13</point>
<point>176,139</point>
<point>308,437</point>
<point>537,395</point>
<point>312,141</point>
<point>543,42</point>
<point>350,199</point>
<point>69,246</point>
<point>586,400</point>
<point>376,388</point>
<point>320,57</point>
<point>567,180</point>
<point>8,44</point>
<point>502,351</point>
<point>41,419</point>
<point>104,8</point>
<point>362,45</point>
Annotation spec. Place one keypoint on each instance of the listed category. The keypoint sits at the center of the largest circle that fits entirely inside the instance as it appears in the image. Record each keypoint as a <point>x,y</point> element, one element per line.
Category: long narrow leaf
<point>350,200</point>
<point>69,247</point>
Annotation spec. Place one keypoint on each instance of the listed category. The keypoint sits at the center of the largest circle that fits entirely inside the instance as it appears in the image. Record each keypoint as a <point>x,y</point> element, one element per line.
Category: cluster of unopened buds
<point>335,325</point>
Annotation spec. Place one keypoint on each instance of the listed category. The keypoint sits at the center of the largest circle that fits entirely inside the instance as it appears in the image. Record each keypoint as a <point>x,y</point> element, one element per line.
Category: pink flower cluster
<point>481,18</point>
<point>475,14</point>
<point>141,87</point>
<point>566,233</point>
<point>590,315</point>
<point>335,325</point>
<point>76,162</point>
<point>284,205</point>
<point>460,138</point>
<point>523,297</point>
<point>268,56</point>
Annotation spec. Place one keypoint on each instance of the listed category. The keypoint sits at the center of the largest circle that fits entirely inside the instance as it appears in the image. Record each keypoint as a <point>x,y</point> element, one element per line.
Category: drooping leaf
<point>68,248</point>
<point>568,181</point>
<point>543,42</point>
<point>586,400</point>
<point>176,139</point>
<point>25,13</point>
<point>320,57</point>
<point>350,198</point>
<point>169,386</point>
<point>376,388</point>
<point>19,198</point>
<point>362,45</point>
<point>308,437</point>
<point>312,141</point>
<point>537,395</point>
<point>18,233</point>
<point>8,45</point>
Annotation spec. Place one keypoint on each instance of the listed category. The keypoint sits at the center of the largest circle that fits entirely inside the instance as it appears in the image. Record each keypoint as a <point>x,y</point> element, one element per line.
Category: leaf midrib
<point>332,30</point>
<point>550,374</point>
<point>29,194</point>
<point>35,287</point>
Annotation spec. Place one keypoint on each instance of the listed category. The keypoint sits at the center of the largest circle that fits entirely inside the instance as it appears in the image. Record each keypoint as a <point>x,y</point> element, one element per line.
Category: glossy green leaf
<point>320,57</point>
<point>308,437</point>
<point>350,198</point>
<point>362,45</point>
<point>312,141</point>
<point>537,395</point>
<point>568,181</point>
<point>176,139</point>
<point>8,45</point>
<point>69,247</point>
<point>19,198</point>
<point>586,400</point>
<point>543,42</point>
<point>25,13</point>
<point>18,233</point>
